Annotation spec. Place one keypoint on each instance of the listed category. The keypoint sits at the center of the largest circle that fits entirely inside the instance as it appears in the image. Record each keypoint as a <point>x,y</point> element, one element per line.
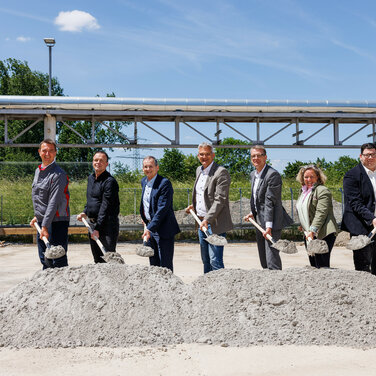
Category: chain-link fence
<point>16,207</point>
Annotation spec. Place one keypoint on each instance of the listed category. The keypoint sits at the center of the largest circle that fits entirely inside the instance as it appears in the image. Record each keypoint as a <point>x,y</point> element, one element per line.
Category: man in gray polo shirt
<point>50,198</point>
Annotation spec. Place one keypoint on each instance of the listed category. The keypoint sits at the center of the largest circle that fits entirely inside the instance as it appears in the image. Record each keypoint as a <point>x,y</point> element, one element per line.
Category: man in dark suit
<point>210,200</point>
<point>359,217</point>
<point>266,207</point>
<point>157,213</point>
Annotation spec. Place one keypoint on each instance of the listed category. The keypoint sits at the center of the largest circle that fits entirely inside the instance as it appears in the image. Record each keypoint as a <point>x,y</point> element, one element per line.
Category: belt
<point>200,218</point>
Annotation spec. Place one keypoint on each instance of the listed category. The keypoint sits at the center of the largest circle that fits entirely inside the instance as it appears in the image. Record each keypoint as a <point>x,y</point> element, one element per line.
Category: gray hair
<point>151,157</point>
<point>258,147</point>
<point>321,177</point>
<point>206,145</point>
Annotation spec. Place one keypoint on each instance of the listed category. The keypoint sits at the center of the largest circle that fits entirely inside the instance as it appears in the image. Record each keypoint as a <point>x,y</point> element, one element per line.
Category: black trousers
<point>58,232</point>
<point>365,258</point>
<point>108,235</point>
<point>323,260</point>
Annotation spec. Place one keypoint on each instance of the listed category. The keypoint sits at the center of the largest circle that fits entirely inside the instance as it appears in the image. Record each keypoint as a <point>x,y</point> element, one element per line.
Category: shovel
<point>360,241</point>
<point>213,239</point>
<point>52,252</point>
<point>110,257</point>
<point>282,245</point>
<point>144,250</point>
<point>316,246</point>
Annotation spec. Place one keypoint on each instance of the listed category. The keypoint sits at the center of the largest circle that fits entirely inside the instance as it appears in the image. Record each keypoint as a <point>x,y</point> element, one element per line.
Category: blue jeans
<point>211,255</point>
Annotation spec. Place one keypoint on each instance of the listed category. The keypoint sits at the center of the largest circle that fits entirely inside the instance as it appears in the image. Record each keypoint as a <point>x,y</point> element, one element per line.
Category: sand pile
<point>118,306</point>
<point>93,305</point>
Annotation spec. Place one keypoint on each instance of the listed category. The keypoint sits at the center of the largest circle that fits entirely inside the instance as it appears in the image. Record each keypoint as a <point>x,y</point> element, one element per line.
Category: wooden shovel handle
<point>260,229</point>
<point>95,238</point>
<point>204,229</point>
<point>43,237</point>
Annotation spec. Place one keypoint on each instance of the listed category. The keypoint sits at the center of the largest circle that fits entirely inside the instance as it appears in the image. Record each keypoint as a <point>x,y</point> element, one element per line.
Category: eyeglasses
<point>370,155</point>
<point>253,156</point>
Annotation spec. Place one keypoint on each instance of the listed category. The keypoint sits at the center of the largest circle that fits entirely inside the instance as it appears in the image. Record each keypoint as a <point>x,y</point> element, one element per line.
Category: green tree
<point>292,169</point>
<point>171,165</point>
<point>191,163</point>
<point>16,78</point>
<point>338,169</point>
<point>124,174</point>
<point>237,160</point>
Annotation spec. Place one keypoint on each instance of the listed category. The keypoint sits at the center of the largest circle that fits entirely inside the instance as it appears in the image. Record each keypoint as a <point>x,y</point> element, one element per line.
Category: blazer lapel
<point>262,177</point>
<point>210,176</point>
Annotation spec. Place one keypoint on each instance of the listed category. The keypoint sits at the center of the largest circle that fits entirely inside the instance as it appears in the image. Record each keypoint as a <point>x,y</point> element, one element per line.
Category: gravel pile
<point>119,306</point>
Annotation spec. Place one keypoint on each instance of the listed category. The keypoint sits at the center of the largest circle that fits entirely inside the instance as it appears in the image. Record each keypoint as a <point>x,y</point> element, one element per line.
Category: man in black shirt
<point>102,207</point>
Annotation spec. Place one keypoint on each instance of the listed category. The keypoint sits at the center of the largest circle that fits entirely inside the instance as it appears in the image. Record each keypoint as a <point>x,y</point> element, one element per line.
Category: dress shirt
<point>146,198</point>
<point>372,176</point>
<point>254,192</point>
<point>200,186</point>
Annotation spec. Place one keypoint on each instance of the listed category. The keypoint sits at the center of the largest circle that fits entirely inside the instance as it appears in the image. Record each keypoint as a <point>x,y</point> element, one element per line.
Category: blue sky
<point>254,49</point>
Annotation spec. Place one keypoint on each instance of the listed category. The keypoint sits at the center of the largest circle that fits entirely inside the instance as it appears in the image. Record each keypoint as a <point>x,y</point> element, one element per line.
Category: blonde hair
<point>321,177</point>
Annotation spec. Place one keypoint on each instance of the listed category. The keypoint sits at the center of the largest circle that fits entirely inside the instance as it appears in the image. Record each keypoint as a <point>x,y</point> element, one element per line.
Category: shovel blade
<point>144,251</point>
<point>113,258</point>
<point>55,252</point>
<point>317,247</point>
<point>358,242</point>
<point>285,246</point>
<point>215,239</point>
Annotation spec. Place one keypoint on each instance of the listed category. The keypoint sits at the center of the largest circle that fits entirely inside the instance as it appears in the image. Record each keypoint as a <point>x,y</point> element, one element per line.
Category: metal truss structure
<point>306,120</point>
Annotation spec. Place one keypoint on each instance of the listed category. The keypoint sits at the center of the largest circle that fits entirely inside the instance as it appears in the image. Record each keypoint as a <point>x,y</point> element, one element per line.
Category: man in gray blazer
<point>266,207</point>
<point>211,203</point>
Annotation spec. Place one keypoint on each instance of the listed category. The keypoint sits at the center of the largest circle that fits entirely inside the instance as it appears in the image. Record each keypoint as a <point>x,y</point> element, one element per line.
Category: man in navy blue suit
<point>359,217</point>
<point>157,213</point>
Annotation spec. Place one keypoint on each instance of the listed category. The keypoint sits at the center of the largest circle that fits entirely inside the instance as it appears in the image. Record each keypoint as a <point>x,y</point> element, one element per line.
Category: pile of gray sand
<point>119,306</point>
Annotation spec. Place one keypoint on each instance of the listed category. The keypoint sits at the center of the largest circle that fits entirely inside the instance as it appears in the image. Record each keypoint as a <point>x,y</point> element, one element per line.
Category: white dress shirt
<point>372,176</point>
<point>200,185</point>
<point>146,198</point>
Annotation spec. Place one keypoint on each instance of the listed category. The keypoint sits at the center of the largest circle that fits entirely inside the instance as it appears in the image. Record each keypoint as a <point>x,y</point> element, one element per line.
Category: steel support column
<point>50,127</point>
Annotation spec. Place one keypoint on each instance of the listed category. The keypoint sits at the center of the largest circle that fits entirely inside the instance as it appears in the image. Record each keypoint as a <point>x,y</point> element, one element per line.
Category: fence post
<point>342,198</point>
<point>188,196</point>
<point>1,210</point>
<point>241,207</point>
<point>134,202</point>
<point>292,203</point>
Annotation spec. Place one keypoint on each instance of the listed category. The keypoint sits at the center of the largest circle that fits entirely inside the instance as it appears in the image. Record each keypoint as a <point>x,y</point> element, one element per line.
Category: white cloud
<point>23,39</point>
<point>76,21</point>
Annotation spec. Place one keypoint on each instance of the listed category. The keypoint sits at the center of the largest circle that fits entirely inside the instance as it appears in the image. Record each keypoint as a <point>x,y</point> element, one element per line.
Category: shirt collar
<point>41,167</point>
<point>368,171</point>
<point>258,174</point>
<point>306,190</point>
<point>207,169</point>
<point>150,182</point>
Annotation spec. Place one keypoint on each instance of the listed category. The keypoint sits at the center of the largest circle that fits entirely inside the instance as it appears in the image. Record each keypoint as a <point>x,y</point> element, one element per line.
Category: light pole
<point>50,42</point>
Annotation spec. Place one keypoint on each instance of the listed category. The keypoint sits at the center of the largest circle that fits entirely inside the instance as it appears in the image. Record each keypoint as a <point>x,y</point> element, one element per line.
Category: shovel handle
<point>204,229</point>
<point>308,239</point>
<point>145,239</point>
<point>372,233</point>
<point>43,237</point>
<point>260,229</point>
<point>101,246</point>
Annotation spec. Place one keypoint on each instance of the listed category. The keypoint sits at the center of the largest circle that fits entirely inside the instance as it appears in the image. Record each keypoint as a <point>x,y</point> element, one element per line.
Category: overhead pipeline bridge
<point>208,118</point>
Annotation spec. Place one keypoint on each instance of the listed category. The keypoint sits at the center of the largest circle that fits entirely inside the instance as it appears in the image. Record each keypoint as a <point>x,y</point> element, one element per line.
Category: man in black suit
<point>359,217</point>
<point>157,213</point>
